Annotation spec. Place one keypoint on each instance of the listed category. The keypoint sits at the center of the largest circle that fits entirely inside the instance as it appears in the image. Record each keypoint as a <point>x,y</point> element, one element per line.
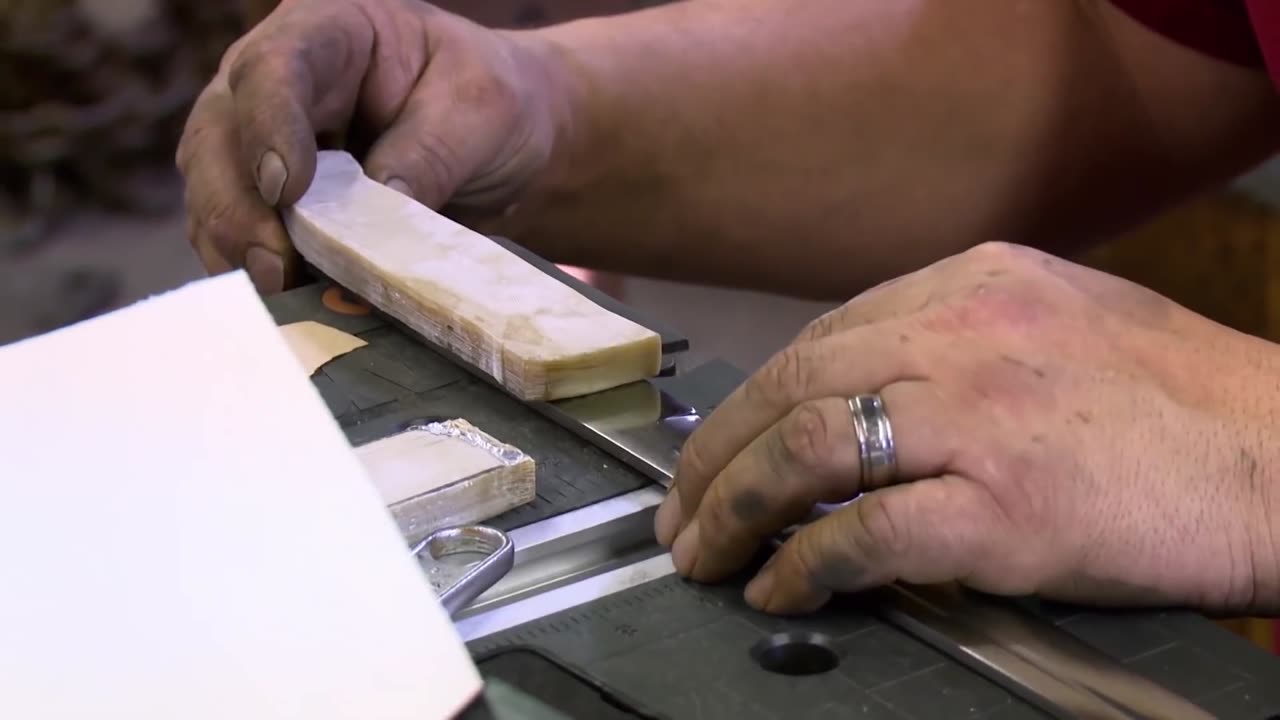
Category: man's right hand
<point>458,113</point>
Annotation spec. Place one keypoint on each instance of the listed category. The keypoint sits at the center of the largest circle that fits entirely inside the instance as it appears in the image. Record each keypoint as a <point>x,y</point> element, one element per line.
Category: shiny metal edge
<point>498,557</point>
<point>638,424</point>
<point>542,536</point>
<point>1039,662</point>
<point>583,591</point>
<point>584,542</point>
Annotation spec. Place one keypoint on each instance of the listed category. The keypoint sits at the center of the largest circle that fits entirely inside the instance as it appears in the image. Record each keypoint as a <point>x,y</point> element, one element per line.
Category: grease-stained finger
<point>206,251</point>
<point>301,78</point>
<point>224,208</point>
<point>928,531</point>
<point>812,456</point>
<point>864,359</point>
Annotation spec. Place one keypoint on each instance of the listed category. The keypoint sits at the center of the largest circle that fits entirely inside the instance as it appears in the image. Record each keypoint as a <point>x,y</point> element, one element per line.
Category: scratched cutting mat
<point>685,651</point>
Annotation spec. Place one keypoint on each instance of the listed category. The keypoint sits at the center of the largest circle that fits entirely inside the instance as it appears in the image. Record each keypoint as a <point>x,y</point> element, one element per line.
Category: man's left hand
<point>1059,432</point>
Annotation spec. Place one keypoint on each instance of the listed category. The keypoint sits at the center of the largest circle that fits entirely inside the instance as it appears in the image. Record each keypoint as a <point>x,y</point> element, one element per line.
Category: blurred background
<point>93,95</point>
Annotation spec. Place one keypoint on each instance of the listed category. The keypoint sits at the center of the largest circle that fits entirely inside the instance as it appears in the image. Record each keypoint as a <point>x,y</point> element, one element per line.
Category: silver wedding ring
<point>875,440</point>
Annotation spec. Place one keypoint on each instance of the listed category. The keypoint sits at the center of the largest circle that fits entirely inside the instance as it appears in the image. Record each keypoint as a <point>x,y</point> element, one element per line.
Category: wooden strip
<point>447,473</point>
<point>460,290</point>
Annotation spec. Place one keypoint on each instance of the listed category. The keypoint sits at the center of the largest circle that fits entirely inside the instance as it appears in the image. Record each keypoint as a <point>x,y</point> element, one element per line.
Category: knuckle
<point>820,327</point>
<point>433,158</point>
<point>784,380</point>
<point>216,215</point>
<point>884,535</point>
<point>203,117</point>
<point>1018,261</point>
<point>807,555</point>
<point>233,51</point>
<point>191,229</point>
<point>827,558</point>
<point>1020,503</point>
<point>987,307</point>
<point>804,438</point>
<point>997,253</point>
<point>424,9</point>
<point>186,150</point>
<point>262,63</point>
<point>219,227</point>
<point>491,91</point>
<point>692,468</point>
<point>720,526</point>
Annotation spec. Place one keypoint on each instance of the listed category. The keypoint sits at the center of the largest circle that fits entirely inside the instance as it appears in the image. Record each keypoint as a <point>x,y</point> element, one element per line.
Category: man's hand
<point>1059,432</point>
<point>456,113</point>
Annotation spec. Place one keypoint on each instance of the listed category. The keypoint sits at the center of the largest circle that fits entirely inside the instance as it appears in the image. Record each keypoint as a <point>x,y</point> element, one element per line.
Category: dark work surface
<point>556,685</point>
<point>395,379</point>
<point>685,651</point>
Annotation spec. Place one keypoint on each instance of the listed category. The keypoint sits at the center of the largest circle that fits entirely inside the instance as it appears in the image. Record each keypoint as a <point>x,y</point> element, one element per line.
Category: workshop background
<point>93,95</point>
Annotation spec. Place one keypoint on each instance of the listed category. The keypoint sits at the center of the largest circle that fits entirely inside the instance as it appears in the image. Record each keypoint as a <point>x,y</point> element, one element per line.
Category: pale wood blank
<point>539,338</point>
<point>442,474</point>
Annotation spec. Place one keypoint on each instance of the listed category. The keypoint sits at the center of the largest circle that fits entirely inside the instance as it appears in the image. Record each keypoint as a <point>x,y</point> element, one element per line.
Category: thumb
<point>928,531</point>
<point>289,83</point>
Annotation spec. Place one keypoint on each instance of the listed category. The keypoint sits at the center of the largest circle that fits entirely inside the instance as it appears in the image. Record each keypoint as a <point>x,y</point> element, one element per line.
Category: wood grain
<point>460,290</point>
<point>448,473</point>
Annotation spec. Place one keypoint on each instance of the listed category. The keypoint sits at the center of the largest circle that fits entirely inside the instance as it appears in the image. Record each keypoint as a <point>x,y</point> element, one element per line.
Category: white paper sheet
<point>185,533</point>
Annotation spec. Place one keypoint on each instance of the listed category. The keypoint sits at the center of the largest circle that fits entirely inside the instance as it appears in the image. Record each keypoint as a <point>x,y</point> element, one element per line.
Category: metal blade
<point>639,424</point>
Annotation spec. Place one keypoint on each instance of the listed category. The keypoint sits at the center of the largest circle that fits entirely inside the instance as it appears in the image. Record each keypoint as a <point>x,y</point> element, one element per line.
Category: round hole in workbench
<point>796,653</point>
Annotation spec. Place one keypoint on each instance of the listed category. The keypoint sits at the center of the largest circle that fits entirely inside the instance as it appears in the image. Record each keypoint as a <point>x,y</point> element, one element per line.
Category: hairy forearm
<point>817,149</point>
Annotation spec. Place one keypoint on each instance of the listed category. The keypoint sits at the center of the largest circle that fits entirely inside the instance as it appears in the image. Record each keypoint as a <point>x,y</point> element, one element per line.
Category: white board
<point>186,533</point>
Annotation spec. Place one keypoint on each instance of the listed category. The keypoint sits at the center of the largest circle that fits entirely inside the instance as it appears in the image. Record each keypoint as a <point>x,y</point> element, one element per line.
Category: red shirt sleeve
<point>1265,15</point>
<point>1220,28</point>
<point>1244,32</point>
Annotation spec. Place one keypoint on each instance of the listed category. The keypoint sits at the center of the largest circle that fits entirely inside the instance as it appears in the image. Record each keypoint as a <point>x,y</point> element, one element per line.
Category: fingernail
<point>761,587</point>
<point>666,521</point>
<point>399,186</point>
<point>266,270</point>
<point>272,175</point>
<point>684,551</point>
